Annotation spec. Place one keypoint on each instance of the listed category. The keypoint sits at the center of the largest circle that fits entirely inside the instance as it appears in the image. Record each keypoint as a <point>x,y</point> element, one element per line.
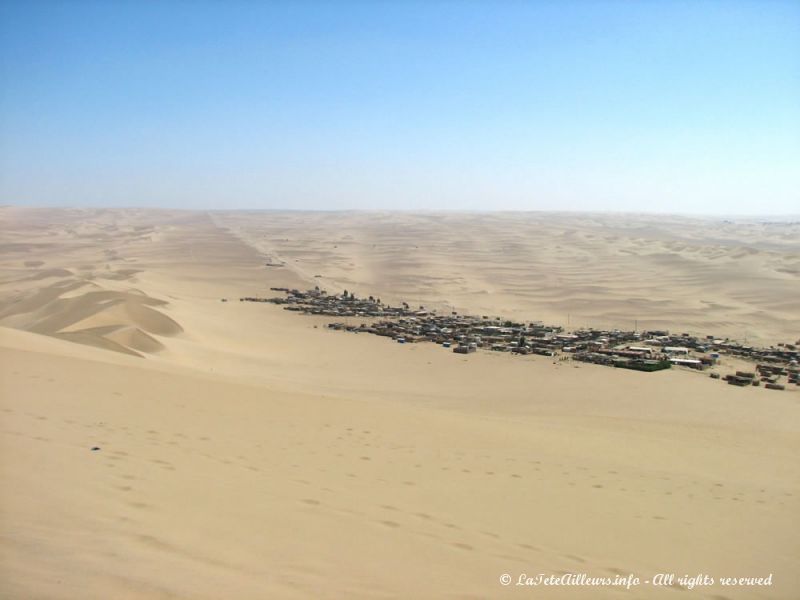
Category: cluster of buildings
<point>769,375</point>
<point>319,302</point>
<point>642,351</point>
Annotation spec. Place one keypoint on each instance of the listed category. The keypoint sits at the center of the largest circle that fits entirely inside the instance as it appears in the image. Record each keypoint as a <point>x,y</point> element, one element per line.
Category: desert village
<point>775,367</point>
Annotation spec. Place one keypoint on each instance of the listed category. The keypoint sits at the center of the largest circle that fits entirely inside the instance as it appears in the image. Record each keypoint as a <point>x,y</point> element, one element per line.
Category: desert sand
<point>247,452</point>
<point>701,275</point>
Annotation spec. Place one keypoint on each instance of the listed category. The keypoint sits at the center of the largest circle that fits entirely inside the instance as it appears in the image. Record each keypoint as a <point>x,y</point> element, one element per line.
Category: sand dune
<point>122,338</point>
<point>122,319</point>
<point>246,452</point>
<point>738,279</point>
<point>80,293</point>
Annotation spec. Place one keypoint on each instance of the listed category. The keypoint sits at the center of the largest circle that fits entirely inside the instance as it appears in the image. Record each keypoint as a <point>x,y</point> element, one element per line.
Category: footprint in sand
<point>463,546</point>
<point>390,524</point>
<point>575,558</point>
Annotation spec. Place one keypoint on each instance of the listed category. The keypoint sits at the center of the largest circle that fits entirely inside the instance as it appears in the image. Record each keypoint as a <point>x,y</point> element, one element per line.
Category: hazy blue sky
<point>587,105</point>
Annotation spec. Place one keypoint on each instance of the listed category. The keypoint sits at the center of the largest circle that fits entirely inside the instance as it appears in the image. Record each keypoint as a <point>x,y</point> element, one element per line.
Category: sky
<point>644,106</point>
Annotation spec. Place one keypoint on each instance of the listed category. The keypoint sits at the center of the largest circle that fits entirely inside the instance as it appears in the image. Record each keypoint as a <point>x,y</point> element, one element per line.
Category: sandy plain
<point>246,452</point>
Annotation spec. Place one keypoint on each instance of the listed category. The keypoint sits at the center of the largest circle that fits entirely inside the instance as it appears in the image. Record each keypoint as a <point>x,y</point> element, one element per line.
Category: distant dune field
<point>714,276</point>
<point>157,442</point>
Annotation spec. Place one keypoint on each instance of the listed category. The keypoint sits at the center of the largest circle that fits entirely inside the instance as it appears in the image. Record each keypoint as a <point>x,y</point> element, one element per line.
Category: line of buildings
<point>642,351</point>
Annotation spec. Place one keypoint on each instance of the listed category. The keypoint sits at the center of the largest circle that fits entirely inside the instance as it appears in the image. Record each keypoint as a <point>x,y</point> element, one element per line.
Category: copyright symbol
<point>505,578</point>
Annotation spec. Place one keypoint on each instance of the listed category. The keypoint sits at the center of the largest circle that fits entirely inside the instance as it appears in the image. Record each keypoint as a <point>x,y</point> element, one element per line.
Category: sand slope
<point>206,488</point>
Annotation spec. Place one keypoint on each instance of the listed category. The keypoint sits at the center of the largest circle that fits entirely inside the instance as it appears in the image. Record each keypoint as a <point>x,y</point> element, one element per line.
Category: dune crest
<point>81,312</point>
